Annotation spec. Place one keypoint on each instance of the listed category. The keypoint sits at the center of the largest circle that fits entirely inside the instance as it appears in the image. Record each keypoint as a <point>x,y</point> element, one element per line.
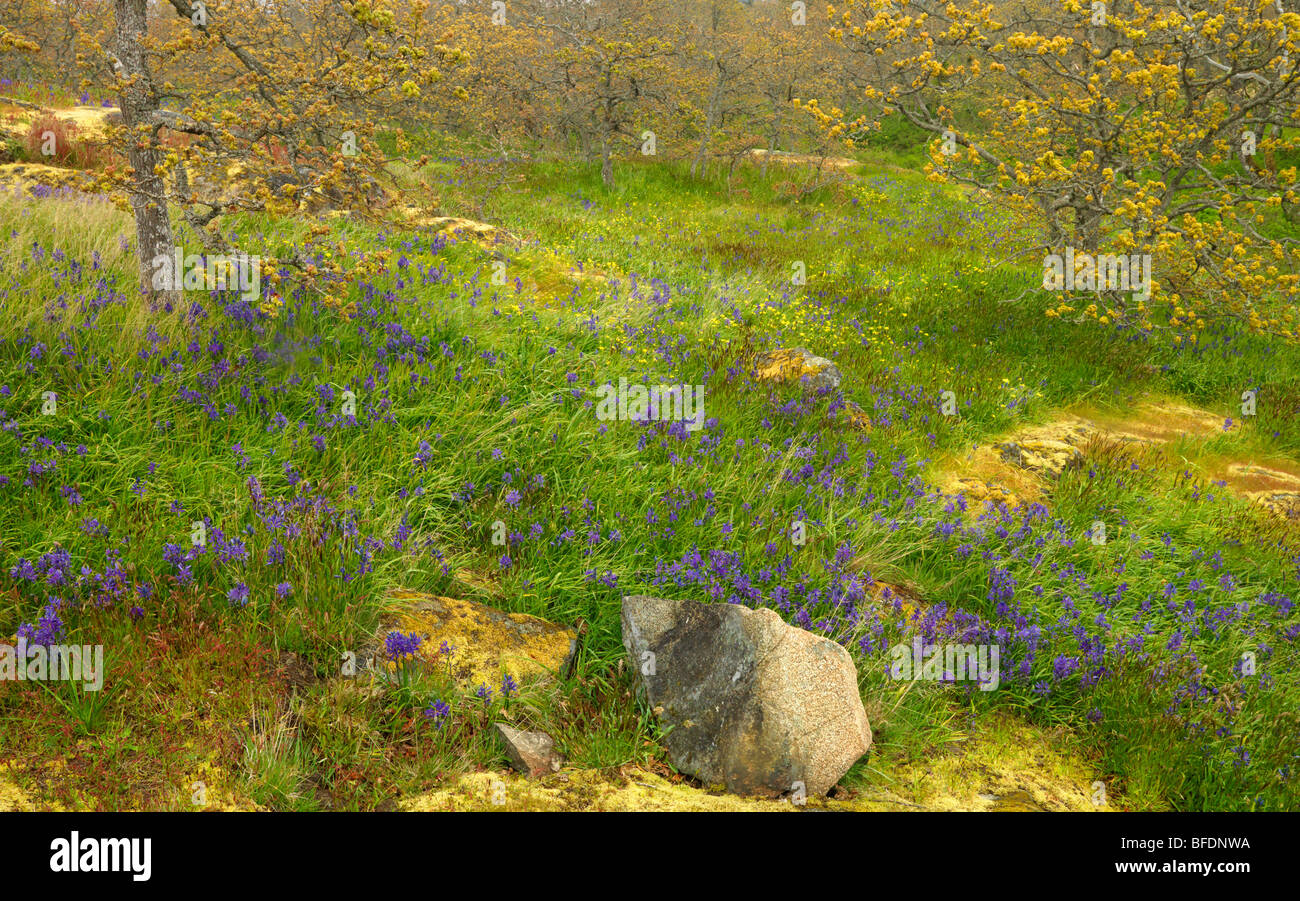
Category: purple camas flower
<point>238,594</point>
<point>438,713</point>
<point>508,686</point>
<point>229,551</point>
<point>48,629</point>
<point>1002,585</point>
<point>283,590</point>
<point>1063,666</point>
<point>399,646</point>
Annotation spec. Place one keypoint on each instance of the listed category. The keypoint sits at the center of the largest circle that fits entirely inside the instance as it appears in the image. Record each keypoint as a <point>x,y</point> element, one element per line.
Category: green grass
<point>902,290</point>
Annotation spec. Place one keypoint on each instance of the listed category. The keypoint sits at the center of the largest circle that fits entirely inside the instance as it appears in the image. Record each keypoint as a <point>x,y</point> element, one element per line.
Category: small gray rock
<point>531,753</point>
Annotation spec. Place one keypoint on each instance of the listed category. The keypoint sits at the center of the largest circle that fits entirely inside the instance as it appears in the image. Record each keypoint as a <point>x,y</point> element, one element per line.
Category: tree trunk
<point>606,165</point>
<point>153,228</point>
<point>774,135</point>
<point>1087,229</point>
<point>708,129</point>
<point>607,133</point>
<point>606,156</point>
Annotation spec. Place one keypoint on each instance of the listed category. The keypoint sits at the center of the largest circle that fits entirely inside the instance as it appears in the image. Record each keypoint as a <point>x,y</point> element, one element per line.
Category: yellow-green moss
<point>12,797</point>
<point>1012,765</point>
<point>786,365</point>
<point>599,790</point>
<point>488,643</point>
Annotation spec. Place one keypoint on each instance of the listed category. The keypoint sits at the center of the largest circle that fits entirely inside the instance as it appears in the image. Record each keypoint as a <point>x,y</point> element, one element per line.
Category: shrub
<point>50,133</point>
<point>12,150</point>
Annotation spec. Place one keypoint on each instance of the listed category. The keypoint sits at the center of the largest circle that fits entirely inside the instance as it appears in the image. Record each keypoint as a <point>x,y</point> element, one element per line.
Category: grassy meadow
<point>1160,664</point>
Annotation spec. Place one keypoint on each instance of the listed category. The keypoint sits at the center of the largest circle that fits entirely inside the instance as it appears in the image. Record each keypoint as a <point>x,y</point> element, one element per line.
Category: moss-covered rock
<point>1275,489</point>
<point>483,644</point>
<point>797,364</point>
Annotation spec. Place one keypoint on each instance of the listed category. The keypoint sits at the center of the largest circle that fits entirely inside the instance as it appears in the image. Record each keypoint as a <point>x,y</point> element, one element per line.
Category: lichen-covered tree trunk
<point>607,157</point>
<point>1087,228</point>
<point>138,102</point>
